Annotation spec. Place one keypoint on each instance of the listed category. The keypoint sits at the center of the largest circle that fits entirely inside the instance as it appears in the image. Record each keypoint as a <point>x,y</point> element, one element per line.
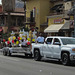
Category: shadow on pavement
<point>43,60</point>
<point>52,62</point>
<point>21,56</point>
<point>72,64</point>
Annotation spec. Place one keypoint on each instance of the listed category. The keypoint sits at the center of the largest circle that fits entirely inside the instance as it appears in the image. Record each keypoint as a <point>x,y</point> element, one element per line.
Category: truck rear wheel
<point>37,56</point>
<point>65,59</point>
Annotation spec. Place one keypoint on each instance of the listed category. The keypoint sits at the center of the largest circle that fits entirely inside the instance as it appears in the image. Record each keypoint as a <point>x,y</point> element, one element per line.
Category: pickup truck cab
<point>55,47</point>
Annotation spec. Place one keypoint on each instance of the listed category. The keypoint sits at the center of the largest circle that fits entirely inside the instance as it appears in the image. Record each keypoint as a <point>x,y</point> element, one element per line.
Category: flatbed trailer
<point>9,50</point>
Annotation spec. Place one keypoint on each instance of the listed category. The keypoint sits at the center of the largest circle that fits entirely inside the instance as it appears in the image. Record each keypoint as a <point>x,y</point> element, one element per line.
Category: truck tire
<point>37,56</point>
<point>65,59</point>
<point>4,53</point>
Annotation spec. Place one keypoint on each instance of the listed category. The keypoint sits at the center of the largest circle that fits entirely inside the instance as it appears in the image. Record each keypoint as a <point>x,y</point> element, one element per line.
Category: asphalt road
<point>19,65</point>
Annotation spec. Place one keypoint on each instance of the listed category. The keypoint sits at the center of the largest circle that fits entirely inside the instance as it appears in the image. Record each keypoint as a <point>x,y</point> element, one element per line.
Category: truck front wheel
<point>37,56</point>
<point>65,59</point>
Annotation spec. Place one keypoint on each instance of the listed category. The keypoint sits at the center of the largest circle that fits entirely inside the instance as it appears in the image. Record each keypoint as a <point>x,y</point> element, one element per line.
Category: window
<point>66,41</point>
<point>49,40</point>
<point>56,41</point>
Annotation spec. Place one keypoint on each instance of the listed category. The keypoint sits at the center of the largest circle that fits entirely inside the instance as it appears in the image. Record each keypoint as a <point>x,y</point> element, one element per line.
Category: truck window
<point>56,41</point>
<point>49,40</point>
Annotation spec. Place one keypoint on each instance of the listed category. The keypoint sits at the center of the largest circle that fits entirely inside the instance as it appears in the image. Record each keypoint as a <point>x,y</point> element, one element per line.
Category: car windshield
<point>66,41</point>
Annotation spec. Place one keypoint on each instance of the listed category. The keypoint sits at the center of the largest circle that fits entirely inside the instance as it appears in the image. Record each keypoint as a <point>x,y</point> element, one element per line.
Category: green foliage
<point>5,35</point>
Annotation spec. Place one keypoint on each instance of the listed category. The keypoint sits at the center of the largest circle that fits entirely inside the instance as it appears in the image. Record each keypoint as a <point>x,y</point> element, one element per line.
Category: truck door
<point>47,51</point>
<point>56,48</point>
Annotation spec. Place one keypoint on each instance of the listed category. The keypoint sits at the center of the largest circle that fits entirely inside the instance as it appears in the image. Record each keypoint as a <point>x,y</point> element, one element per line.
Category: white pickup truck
<point>55,47</point>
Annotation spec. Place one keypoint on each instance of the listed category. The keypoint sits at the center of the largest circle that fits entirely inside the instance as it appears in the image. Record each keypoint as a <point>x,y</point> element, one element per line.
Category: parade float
<point>14,43</point>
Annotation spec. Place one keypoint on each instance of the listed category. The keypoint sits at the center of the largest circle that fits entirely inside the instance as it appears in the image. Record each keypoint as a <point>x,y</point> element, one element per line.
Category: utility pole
<point>74,17</point>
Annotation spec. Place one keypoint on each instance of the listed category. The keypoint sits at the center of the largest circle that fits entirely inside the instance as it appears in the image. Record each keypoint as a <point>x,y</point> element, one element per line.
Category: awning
<point>66,26</point>
<point>53,28</point>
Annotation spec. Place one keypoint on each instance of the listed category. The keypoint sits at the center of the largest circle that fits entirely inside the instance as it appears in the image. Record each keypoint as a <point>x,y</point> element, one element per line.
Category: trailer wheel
<point>4,53</point>
<point>26,55</point>
<point>37,56</point>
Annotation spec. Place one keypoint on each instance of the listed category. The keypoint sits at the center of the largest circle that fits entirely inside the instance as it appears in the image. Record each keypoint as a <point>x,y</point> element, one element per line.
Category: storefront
<point>58,26</point>
<point>55,23</point>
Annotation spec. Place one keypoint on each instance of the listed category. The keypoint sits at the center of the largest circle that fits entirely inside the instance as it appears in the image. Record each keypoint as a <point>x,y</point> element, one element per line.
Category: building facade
<point>58,20</point>
<point>16,19</point>
<point>46,15</point>
<point>41,11</point>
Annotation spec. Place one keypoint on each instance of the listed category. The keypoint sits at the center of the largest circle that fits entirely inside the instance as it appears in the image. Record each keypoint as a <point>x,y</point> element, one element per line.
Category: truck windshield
<point>66,41</point>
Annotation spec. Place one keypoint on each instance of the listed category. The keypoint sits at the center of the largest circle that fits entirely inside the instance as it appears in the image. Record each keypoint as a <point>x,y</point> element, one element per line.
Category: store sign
<point>58,21</point>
